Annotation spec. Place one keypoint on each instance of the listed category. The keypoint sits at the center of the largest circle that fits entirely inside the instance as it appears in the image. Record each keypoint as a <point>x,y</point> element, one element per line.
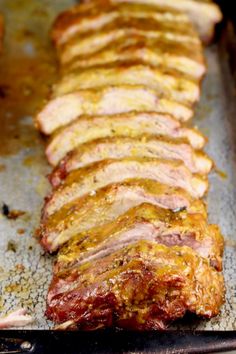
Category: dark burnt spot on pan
<point>11,246</point>
<point>4,90</point>
<point>11,214</point>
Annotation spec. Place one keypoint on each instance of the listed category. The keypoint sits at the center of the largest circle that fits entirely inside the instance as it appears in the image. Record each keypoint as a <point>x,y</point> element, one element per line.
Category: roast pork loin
<point>86,18</point>
<point>106,101</point>
<point>86,129</point>
<point>203,14</point>
<point>92,177</point>
<point>145,222</point>
<point>119,147</point>
<point>143,286</point>
<point>169,85</point>
<point>108,203</point>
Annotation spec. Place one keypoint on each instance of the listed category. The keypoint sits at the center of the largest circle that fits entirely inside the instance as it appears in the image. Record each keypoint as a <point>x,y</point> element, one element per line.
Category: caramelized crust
<point>137,51</point>
<point>143,286</point>
<point>93,43</point>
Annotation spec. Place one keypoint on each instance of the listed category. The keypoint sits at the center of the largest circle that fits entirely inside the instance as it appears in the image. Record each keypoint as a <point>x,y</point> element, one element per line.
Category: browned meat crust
<point>135,247</point>
<point>143,286</point>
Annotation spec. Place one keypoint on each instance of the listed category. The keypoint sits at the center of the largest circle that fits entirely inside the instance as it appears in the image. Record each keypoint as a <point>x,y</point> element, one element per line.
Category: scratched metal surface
<point>25,271</point>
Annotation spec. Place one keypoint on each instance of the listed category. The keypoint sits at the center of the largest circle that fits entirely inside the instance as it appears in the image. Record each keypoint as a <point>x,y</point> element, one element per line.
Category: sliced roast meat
<point>108,203</point>
<point>107,101</point>
<point>120,147</point>
<point>203,14</point>
<point>106,292</point>
<point>141,53</point>
<point>95,176</point>
<point>87,18</point>
<point>93,43</point>
<point>171,86</point>
<point>144,222</point>
<point>133,124</point>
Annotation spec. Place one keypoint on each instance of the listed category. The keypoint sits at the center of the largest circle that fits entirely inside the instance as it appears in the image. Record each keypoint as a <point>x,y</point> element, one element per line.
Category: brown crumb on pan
<point>20,231</point>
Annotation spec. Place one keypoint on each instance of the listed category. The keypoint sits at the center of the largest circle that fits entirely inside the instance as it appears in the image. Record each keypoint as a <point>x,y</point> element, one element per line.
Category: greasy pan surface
<point>26,71</point>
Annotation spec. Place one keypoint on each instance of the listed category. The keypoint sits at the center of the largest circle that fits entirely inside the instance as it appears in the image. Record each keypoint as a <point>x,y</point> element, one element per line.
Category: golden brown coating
<point>143,286</point>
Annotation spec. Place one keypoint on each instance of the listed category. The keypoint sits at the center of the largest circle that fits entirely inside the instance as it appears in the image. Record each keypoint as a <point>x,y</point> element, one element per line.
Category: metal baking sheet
<point>27,68</point>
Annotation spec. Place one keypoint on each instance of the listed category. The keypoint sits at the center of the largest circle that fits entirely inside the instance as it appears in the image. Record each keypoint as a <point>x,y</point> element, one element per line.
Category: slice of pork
<point>108,203</point>
<point>121,147</point>
<point>169,85</point>
<point>144,222</point>
<point>107,101</point>
<point>95,176</point>
<point>86,129</point>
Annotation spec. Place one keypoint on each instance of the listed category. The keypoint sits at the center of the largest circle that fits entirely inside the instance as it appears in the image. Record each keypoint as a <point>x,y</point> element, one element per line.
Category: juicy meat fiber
<point>90,178</point>
<point>86,129</point>
<point>121,147</point>
<point>145,222</point>
<point>107,101</point>
<point>143,286</point>
<point>107,204</point>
